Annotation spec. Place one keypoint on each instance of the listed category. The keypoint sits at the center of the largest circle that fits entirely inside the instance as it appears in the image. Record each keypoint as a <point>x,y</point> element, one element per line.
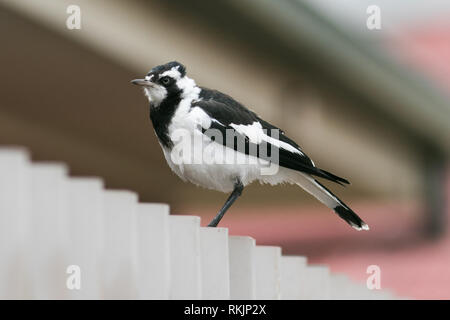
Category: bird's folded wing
<point>254,136</point>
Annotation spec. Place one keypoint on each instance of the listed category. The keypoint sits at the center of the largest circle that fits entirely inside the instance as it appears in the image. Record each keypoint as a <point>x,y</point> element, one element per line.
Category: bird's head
<point>164,82</point>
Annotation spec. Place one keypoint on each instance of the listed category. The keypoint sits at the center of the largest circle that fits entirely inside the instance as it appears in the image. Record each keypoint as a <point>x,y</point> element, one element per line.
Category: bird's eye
<point>165,80</point>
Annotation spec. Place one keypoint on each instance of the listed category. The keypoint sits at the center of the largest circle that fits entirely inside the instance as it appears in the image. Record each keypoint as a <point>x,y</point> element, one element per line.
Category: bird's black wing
<point>226,113</point>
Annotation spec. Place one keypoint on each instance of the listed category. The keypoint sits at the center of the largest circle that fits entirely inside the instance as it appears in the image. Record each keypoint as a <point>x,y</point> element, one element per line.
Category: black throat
<point>161,117</point>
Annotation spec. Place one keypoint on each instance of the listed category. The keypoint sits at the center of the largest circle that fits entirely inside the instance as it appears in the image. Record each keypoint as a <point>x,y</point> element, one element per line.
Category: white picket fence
<point>56,230</point>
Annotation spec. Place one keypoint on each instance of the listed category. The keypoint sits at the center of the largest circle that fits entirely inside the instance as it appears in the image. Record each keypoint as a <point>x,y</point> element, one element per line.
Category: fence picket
<point>47,240</point>
<point>153,259</point>
<point>215,263</point>
<point>86,233</point>
<point>119,255</point>
<point>292,277</point>
<point>242,268</point>
<point>185,262</point>
<point>14,211</point>
<point>267,272</point>
<point>130,250</point>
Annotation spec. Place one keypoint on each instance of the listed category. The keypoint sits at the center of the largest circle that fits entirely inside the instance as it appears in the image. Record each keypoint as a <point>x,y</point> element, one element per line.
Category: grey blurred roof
<point>405,97</point>
<point>293,32</point>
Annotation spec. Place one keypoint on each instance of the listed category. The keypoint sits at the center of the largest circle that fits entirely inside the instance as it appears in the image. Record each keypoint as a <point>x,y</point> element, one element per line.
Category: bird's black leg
<point>238,187</point>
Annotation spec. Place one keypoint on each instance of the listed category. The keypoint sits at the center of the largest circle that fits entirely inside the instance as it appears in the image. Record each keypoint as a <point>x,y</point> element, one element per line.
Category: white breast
<point>197,159</point>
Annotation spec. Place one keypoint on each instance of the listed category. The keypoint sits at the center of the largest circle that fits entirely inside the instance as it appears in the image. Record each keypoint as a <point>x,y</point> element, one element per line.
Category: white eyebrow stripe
<point>148,78</point>
<point>174,73</point>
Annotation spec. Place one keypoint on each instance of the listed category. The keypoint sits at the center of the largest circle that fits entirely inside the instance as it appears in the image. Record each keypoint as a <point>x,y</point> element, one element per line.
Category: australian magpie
<point>213,141</point>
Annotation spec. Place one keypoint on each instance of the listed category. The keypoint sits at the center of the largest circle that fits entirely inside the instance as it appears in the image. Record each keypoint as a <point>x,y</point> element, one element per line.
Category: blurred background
<point>371,105</point>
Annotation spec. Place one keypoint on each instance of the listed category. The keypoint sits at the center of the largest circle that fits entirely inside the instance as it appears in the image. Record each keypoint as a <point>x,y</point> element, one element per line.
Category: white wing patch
<point>256,134</point>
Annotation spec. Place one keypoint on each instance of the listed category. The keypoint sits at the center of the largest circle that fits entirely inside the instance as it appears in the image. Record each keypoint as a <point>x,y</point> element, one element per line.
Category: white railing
<point>58,231</point>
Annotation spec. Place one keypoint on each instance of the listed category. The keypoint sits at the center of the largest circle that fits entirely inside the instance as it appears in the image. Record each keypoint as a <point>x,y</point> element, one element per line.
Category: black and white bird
<point>191,118</point>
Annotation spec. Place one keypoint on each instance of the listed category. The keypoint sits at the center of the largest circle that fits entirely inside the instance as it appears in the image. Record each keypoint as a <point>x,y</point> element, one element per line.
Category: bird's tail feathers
<point>325,196</point>
<point>333,177</point>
